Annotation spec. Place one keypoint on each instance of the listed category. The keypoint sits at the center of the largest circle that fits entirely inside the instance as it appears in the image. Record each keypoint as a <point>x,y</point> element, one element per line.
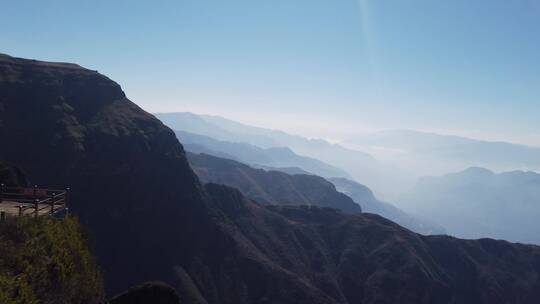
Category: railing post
<point>1,192</point>
<point>20,210</point>
<point>66,201</point>
<point>52,202</point>
<point>2,216</point>
<point>36,205</point>
<point>35,201</point>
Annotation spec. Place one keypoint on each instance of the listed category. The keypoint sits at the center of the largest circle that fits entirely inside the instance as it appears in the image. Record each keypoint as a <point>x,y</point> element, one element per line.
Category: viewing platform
<point>19,201</point>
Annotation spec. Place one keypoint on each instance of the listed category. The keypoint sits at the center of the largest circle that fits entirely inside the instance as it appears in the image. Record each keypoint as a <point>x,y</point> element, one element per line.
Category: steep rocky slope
<point>152,220</point>
<point>271,187</point>
<point>70,126</point>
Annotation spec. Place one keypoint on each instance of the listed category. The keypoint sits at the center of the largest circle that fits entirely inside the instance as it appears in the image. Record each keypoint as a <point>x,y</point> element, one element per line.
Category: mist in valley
<point>433,183</point>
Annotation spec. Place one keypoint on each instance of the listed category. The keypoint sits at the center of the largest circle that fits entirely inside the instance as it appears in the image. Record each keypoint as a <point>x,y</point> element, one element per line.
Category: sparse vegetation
<point>46,260</point>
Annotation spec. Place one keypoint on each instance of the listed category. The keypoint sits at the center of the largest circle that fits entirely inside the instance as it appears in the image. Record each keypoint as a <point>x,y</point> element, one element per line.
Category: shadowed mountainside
<point>271,187</point>
<point>70,126</point>
<point>12,176</point>
<point>278,188</point>
<point>152,220</point>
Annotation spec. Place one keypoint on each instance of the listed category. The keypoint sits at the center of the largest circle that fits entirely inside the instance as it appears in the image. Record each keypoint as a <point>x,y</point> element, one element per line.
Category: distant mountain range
<point>433,154</point>
<point>278,188</point>
<point>479,203</point>
<point>271,187</point>
<point>364,196</point>
<point>276,157</point>
<point>386,180</point>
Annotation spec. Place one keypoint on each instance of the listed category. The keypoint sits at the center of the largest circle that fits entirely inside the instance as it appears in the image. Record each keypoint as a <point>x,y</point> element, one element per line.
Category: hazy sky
<point>307,66</point>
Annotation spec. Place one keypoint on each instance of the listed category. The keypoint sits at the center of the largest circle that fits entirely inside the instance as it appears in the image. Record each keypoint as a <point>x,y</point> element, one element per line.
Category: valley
<point>151,217</point>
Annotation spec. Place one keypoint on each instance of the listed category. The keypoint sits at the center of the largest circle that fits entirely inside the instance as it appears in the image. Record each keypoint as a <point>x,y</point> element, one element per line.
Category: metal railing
<point>37,201</point>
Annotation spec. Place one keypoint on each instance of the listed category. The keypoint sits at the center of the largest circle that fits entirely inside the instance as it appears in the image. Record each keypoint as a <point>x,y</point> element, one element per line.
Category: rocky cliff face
<point>152,220</point>
<point>271,187</point>
<point>69,126</point>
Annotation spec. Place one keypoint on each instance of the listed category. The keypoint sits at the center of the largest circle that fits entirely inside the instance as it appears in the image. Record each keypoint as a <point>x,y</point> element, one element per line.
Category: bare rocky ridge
<point>152,220</point>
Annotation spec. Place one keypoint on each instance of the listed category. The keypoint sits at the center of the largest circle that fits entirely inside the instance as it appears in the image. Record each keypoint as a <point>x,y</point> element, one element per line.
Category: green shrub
<point>46,260</point>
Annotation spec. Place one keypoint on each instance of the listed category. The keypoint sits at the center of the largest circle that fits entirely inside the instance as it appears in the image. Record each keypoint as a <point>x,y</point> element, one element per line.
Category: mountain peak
<point>477,171</point>
<point>4,58</point>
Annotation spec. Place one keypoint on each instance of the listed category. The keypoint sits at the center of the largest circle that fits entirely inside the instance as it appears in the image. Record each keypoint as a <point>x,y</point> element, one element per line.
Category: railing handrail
<point>35,198</point>
<point>37,194</point>
<point>7,189</point>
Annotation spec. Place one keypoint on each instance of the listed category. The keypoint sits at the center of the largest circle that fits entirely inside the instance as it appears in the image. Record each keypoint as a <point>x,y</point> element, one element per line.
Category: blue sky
<point>316,67</point>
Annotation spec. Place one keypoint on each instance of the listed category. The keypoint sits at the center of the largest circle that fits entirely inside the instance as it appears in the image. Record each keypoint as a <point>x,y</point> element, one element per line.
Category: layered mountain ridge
<point>152,220</point>
<point>278,188</point>
<point>274,157</point>
<point>271,187</point>
<point>360,165</point>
